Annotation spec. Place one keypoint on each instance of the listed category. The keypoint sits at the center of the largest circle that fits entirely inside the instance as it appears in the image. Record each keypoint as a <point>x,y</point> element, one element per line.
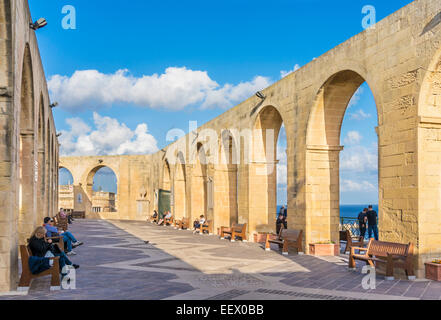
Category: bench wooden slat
<point>392,254</point>
<point>286,237</point>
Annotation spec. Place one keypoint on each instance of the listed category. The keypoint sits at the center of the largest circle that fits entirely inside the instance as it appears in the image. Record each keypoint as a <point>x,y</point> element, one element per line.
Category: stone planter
<point>260,237</point>
<point>324,249</point>
<point>433,271</point>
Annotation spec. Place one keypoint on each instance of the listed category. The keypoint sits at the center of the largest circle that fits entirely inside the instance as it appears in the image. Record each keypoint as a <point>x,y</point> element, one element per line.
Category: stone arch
<point>89,193</point>
<point>180,188</point>
<point>263,169</point>
<point>41,159</point>
<point>166,176</point>
<point>322,155</point>
<point>199,184</point>
<point>27,210</point>
<point>47,174</point>
<point>429,162</point>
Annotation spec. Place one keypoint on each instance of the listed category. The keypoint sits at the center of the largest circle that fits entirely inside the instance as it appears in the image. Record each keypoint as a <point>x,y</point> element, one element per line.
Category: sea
<point>348,210</point>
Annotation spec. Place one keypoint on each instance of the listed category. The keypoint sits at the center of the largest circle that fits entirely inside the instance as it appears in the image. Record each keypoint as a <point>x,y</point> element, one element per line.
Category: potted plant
<point>324,248</point>
<point>433,270</point>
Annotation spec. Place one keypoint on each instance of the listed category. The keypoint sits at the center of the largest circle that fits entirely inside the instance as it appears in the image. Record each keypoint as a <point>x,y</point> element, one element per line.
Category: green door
<point>163,202</point>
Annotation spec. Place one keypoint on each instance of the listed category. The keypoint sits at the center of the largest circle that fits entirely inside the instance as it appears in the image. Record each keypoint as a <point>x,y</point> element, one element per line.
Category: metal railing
<point>350,224</point>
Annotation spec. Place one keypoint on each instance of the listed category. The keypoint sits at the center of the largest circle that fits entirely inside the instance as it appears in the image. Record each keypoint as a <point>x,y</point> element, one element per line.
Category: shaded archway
<point>199,185</point>
<point>166,181</point>
<point>323,156</point>
<point>180,188</point>
<point>263,170</point>
<point>41,162</point>
<point>27,212</point>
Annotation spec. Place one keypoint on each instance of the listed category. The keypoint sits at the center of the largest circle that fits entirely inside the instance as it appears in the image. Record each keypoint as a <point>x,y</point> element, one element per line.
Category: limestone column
<point>27,215</point>
<point>322,194</point>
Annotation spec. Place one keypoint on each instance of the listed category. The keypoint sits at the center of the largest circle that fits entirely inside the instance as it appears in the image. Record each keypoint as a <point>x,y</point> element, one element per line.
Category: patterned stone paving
<point>116,263</point>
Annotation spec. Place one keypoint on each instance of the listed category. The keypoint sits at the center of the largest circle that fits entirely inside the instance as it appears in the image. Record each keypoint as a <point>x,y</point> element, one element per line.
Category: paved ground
<point>117,264</point>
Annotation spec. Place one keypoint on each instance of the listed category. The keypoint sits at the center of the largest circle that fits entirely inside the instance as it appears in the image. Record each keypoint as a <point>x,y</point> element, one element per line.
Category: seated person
<point>40,247</point>
<point>198,223</point>
<point>68,237</point>
<point>167,217</point>
<point>64,215</point>
<point>281,221</point>
<point>155,215</point>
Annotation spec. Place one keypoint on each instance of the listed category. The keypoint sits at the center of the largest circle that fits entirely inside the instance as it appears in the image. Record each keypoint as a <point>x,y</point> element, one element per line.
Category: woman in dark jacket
<point>40,247</point>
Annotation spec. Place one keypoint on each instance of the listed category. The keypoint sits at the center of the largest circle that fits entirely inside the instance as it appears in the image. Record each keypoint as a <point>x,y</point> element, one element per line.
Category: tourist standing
<point>372,218</point>
<point>362,221</point>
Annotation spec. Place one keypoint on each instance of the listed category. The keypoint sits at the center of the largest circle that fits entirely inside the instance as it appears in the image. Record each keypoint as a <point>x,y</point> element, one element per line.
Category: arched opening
<point>166,185</point>
<point>41,162</point>
<point>323,175</point>
<point>66,189</point>
<point>282,163</point>
<point>102,189</point>
<point>199,185</point>
<point>164,194</point>
<point>180,188</point>
<point>263,170</point>
<point>27,213</point>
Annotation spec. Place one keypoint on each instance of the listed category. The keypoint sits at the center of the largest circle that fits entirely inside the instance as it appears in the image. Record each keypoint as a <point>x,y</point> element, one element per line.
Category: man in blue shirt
<point>68,237</point>
<point>372,218</point>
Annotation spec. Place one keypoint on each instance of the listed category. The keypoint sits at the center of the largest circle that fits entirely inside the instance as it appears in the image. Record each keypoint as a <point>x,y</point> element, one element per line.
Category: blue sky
<point>100,71</point>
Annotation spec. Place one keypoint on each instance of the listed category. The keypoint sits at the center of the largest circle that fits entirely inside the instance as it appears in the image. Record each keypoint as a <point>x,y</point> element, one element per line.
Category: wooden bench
<point>27,276</point>
<point>78,214</point>
<point>61,223</point>
<point>207,226</point>
<point>236,230</point>
<point>153,219</point>
<point>284,239</point>
<point>394,255</point>
<point>350,240</point>
<point>58,240</point>
<point>168,221</point>
<point>184,223</point>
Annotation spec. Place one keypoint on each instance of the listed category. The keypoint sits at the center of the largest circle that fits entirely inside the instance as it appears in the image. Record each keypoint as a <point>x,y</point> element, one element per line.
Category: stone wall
<point>400,61</point>
<point>28,142</point>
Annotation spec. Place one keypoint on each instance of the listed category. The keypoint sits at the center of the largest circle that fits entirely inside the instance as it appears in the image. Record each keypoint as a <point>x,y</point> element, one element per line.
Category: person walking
<point>362,221</point>
<point>372,218</point>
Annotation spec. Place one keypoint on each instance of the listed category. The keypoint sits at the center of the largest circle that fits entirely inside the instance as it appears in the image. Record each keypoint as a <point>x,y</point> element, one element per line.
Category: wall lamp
<point>40,23</point>
<point>59,134</point>
<point>53,105</point>
<point>260,95</point>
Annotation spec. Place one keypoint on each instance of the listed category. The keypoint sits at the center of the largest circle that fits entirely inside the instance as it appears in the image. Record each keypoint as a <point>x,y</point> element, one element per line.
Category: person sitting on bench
<point>45,249</point>
<point>168,215</point>
<point>68,237</point>
<point>198,223</point>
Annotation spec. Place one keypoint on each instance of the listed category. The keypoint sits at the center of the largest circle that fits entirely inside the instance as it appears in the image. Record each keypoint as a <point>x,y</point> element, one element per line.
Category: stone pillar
<point>41,185</point>
<point>262,197</point>
<point>322,194</point>
<point>27,216</point>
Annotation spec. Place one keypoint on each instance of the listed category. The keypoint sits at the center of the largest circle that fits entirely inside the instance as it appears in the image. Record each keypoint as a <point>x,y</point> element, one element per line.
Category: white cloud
<point>109,138</point>
<point>356,97</point>
<point>175,89</point>
<point>284,73</point>
<point>359,115</point>
<point>282,165</point>
<point>353,137</point>
<point>359,159</point>
<point>349,185</point>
